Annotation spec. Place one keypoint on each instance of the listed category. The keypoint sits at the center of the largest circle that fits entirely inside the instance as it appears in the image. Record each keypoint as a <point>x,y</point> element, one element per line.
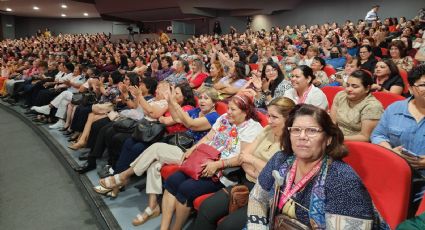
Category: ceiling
<point>146,10</point>
<point>49,8</point>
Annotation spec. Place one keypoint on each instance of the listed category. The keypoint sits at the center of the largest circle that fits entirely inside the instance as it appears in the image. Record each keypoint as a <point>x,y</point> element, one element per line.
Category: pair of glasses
<point>308,131</point>
<point>421,87</point>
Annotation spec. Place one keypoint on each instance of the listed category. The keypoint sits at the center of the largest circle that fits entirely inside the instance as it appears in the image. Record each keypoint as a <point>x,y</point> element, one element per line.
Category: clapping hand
<point>135,91</point>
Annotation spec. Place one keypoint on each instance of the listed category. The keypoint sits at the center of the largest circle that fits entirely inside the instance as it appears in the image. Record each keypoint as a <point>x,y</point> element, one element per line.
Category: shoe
<point>77,146</point>
<point>42,109</point>
<point>85,168</point>
<point>73,137</point>
<point>64,129</point>
<point>106,171</point>
<point>84,156</point>
<point>57,125</point>
<point>68,133</point>
<point>146,215</point>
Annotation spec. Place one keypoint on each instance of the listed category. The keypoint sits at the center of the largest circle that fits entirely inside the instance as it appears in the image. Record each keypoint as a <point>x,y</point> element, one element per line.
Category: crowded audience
<point>154,102</point>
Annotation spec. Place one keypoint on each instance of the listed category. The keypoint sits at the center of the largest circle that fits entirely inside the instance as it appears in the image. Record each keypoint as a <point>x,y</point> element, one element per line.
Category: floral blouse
<point>279,92</point>
<point>405,63</point>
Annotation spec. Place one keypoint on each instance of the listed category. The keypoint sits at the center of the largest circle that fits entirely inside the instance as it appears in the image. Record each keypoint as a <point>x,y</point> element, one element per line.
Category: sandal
<point>101,190</point>
<point>112,182</point>
<point>77,146</point>
<point>148,214</point>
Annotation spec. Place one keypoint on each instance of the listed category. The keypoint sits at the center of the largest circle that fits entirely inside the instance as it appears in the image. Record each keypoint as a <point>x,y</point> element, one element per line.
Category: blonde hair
<point>284,105</point>
<point>210,92</point>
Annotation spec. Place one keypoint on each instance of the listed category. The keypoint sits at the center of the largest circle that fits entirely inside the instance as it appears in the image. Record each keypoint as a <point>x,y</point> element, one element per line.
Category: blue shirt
<point>336,62</point>
<point>398,127</point>
<point>353,51</point>
<point>211,117</point>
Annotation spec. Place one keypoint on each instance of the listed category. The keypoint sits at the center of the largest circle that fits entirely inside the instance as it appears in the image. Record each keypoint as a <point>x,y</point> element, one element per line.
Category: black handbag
<point>125,125</point>
<point>148,131</point>
<point>182,140</point>
<point>88,98</point>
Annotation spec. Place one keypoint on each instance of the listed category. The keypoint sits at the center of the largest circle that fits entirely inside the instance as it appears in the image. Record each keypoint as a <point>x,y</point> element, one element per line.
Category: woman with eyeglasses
<point>355,110</point>
<point>311,186</point>
<point>367,59</point>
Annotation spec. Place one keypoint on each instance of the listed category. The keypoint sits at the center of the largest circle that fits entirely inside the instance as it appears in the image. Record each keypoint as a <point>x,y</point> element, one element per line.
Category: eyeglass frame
<point>317,130</point>
<point>421,87</point>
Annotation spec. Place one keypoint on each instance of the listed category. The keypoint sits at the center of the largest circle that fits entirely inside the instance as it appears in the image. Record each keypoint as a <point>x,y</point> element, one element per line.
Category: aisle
<point>35,190</point>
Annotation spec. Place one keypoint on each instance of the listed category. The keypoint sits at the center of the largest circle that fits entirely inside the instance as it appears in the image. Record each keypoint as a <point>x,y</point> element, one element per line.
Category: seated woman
<point>303,91</point>
<point>341,77</point>
<point>367,59</point>
<point>376,51</point>
<point>198,120</point>
<point>321,78</point>
<point>179,74</point>
<point>63,99</point>
<point>355,110</point>
<point>166,70</point>
<point>270,85</point>
<point>196,76</point>
<point>387,78</point>
<point>336,59</point>
<point>315,189</point>
<point>253,160</point>
<point>399,55</point>
<point>230,85</point>
<point>230,135</point>
<point>216,73</point>
<point>307,60</point>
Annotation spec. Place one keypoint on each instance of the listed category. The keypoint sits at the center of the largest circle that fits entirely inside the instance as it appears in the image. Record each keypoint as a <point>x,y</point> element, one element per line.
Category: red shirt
<point>177,127</point>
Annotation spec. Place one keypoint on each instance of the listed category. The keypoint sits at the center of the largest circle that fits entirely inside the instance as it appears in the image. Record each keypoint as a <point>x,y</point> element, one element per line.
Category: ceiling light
<point>8,9</point>
<point>35,8</point>
<point>63,15</point>
<point>64,6</point>
<point>86,14</point>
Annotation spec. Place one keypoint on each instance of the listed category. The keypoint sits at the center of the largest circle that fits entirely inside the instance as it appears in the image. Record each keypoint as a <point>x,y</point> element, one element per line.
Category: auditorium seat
<point>387,99</point>
<point>387,178</point>
<point>330,92</point>
<point>403,74</point>
<point>329,70</point>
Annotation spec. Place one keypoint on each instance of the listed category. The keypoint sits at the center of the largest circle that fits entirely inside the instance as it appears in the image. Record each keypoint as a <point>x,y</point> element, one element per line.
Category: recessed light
<point>8,9</point>
<point>86,14</point>
<point>64,6</point>
<point>63,15</point>
<point>35,8</point>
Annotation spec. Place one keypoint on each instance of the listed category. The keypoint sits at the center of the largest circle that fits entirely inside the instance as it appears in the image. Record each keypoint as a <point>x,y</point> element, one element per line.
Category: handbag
<point>148,131</point>
<point>182,140</point>
<point>88,98</point>
<point>238,197</point>
<point>125,125</point>
<point>77,98</point>
<point>192,166</point>
<point>284,222</point>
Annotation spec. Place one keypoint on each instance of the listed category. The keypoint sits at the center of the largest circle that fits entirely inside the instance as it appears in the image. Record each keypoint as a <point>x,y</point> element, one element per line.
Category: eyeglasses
<point>421,87</point>
<point>309,131</point>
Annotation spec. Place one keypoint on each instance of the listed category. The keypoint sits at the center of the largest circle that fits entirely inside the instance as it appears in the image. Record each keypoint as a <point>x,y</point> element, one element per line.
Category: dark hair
<point>307,72</point>
<point>134,78</point>
<point>69,66</point>
<point>321,60</point>
<point>188,96</point>
<point>369,49</point>
<point>336,149</point>
<point>364,76</point>
<point>123,61</point>
<point>394,72</point>
<point>168,59</point>
<point>116,77</point>
<point>240,70</point>
<point>273,85</point>
<point>141,59</point>
<point>246,104</point>
<point>354,40</point>
<point>150,83</point>
<point>242,56</point>
<point>416,73</point>
<point>409,42</point>
<point>43,64</point>
<point>400,46</point>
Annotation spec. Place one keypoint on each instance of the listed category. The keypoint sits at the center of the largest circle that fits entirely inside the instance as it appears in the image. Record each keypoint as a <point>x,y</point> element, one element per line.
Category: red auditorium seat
<point>384,52</point>
<point>387,178</point>
<point>330,92</point>
<point>403,74</point>
<point>253,66</point>
<point>263,119</point>
<point>387,99</point>
<point>329,70</point>
<point>221,107</point>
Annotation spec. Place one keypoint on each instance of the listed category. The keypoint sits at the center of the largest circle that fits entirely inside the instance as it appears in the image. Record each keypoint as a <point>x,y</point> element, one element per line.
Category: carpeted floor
<point>35,190</point>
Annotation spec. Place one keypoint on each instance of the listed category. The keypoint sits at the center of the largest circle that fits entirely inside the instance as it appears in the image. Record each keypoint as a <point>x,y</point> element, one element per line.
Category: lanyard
<point>302,99</point>
<point>289,190</point>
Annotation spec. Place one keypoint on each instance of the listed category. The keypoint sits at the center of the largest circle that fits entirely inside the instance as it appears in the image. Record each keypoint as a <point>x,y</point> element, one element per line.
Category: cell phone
<point>409,153</point>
